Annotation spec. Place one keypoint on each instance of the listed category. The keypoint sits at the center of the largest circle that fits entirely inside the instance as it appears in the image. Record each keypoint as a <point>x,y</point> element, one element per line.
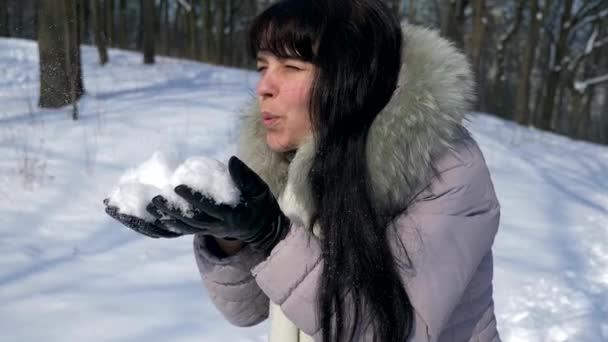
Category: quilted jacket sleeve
<point>231,285</point>
<point>446,233</point>
<point>450,229</point>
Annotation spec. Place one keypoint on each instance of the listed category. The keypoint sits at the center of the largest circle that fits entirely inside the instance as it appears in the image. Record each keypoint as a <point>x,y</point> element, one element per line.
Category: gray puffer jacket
<point>426,171</point>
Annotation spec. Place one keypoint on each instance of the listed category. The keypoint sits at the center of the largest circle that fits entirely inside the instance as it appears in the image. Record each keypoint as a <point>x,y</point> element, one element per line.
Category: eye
<point>293,67</point>
<point>261,68</point>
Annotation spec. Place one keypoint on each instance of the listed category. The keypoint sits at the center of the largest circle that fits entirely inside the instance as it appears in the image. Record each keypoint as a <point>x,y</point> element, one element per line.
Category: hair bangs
<point>287,30</point>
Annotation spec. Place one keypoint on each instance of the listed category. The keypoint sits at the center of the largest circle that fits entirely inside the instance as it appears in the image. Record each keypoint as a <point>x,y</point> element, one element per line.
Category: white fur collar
<point>421,120</point>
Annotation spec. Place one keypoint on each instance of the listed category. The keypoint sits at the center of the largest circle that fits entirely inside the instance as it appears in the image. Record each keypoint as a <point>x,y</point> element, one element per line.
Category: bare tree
<point>221,37</point>
<point>149,14</point>
<point>72,51</point>
<point>164,26</point>
<point>4,18</point>
<point>82,8</point>
<point>207,34</point>
<point>58,46</point>
<point>570,22</point>
<point>560,51</point>
<point>98,28</point>
<point>412,10</point>
<point>522,107</point>
<point>504,43</point>
<point>501,86</point>
<point>453,21</point>
<point>122,27</point>
<point>395,5</point>
<point>191,29</point>
<point>477,38</point>
<point>109,21</point>
<point>581,79</point>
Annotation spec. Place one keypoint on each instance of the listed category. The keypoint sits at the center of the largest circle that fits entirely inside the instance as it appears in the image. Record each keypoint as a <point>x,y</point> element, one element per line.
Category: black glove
<point>154,229</point>
<point>256,220</point>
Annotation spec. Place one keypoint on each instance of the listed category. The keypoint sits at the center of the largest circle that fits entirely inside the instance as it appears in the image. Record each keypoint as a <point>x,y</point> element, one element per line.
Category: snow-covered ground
<point>68,272</point>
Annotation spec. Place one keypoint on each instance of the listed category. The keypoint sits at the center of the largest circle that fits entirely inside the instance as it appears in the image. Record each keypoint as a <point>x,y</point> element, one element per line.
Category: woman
<point>367,213</point>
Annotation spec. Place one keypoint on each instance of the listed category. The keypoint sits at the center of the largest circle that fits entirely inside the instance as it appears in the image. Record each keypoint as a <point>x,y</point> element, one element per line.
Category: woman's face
<point>283,93</point>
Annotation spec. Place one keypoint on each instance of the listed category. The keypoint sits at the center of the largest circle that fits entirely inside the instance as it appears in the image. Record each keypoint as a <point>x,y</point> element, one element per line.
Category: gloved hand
<point>256,220</point>
<point>154,229</point>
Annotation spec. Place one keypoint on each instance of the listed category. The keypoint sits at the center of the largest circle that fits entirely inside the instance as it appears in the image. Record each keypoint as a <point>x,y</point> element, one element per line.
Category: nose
<point>267,86</point>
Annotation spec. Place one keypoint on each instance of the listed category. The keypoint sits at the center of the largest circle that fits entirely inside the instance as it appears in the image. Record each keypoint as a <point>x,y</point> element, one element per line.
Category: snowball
<point>155,171</point>
<point>131,198</point>
<point>159,175</point>
<point>209,177</point>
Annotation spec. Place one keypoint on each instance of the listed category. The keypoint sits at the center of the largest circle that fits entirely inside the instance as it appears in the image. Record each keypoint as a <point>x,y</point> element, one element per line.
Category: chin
<point>276,145</point>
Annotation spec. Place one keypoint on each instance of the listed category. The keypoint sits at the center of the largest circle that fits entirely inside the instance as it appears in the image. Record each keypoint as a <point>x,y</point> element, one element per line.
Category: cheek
<point>304,97</point>
<point>297,125</point>
<point>300,104</point>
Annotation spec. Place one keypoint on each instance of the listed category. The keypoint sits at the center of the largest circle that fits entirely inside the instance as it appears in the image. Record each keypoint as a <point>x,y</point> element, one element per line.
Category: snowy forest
<point>539,63</point>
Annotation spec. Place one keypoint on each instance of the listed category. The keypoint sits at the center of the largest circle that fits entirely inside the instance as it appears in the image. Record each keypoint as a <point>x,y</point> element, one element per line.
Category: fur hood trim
<point>421,121</point>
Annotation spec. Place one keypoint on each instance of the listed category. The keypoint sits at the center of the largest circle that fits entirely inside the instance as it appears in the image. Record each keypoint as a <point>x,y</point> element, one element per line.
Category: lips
<point>269,119</point>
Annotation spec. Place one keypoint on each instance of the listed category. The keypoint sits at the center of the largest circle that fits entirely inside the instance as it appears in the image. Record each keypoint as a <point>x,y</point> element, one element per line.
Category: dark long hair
<point>356,47</point>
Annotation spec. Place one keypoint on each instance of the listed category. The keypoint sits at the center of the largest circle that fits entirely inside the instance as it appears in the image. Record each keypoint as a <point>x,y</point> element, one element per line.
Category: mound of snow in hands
<point>160,174</point>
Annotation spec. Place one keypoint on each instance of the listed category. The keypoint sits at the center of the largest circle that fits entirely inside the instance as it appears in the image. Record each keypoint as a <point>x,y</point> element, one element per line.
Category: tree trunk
<point>580,118</point>
<point>192,35</point>
<point>17,17</point>
<point>109,22</point>
<point>163,24</point>
<point>76,38</point>
<point>177,34</point>
<point>100,36</point>
<point>149,13</point>
<point>479,21</point>
<point>552,82</point>
<point>600,91</point>
<point>139,44</point>
<point>167,28</point>
<point>4,32</point>
<point>232,8</point>
<point>121,34</point>
<point>412,11</point>
<point>82,20</point>
<point>59,61</point>
<point>522,106</point>
<point>505,41</point>
<point>210,52</point>
<point>395,6</point>
<point>501,83</point>
<point>453,21</point>
<point>478,32</point>
<point>74,70</point>
<point>603,134</point>
<point>220,32</point>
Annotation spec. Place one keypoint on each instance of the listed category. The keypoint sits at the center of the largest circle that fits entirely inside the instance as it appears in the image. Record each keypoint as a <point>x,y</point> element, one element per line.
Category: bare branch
<point>505,38</point>
<point>592,44</point>
<point>185,5</point>
<point>586,9</point>
<point>591,19</point>
<point>581,86</point>
<point>575,63</point>
<point>600,42</point>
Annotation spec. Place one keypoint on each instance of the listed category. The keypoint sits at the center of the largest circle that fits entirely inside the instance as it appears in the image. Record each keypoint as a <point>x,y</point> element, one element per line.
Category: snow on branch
<point>591,45</point>
<point>587,8</point>
<point>186,5</point>
<point>581,86</point>
<point>590,19</point>
<point>591,42</point>
<point>600,42</point>
<point>506,37</point>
